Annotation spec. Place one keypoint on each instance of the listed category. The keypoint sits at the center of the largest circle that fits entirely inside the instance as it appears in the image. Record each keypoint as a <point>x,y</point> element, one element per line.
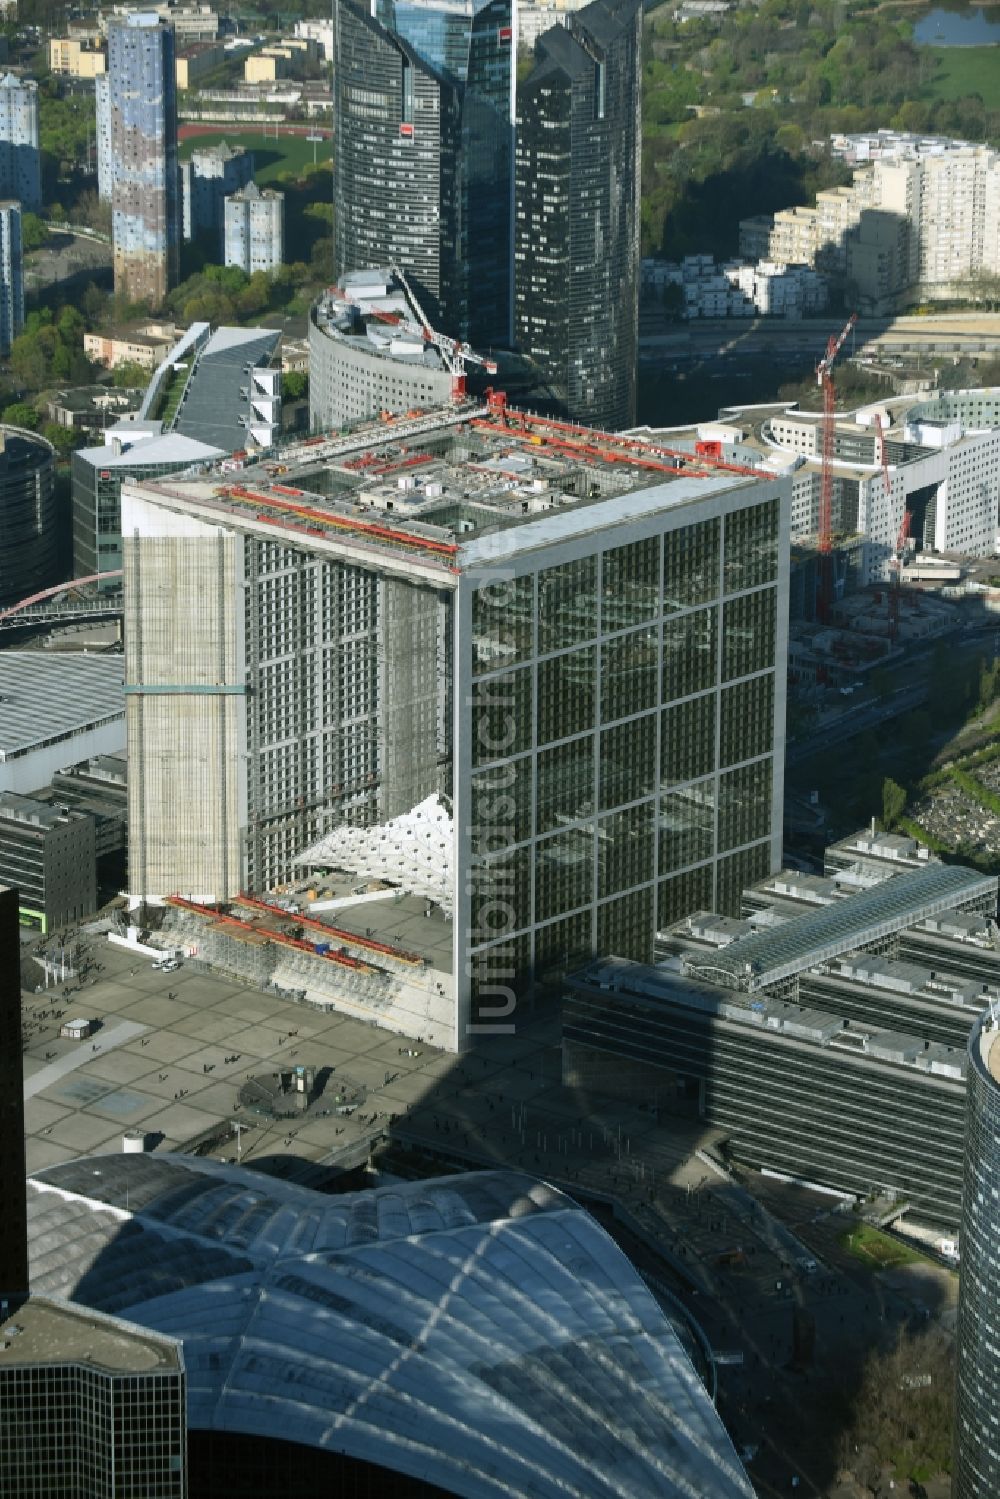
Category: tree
<point>130,376</point>
<point>902,1416</point>
<point>294,385</point>
<point>63,439</point>
<point>893,803</point>
<point>21,414</point>
<point>34,232</point>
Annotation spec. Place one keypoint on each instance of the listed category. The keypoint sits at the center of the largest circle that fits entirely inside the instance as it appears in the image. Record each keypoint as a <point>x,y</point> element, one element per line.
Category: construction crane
<point>824,378</point>
<point>454,355</point>
<point>896,560</point>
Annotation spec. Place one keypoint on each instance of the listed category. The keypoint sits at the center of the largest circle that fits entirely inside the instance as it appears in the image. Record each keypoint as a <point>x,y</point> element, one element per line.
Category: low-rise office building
<point>145,345</point>
<point>805,1037</point>
<point>57,708</point>
<point>76,58</point>
<point>213,395</point>
<point>49,856</point>
<point>362,360</point>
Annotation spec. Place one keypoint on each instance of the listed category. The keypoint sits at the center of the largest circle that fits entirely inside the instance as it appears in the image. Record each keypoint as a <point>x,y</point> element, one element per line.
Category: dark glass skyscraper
<point>976,1471</point>
<point>424,119</point>
<point>576,226</point>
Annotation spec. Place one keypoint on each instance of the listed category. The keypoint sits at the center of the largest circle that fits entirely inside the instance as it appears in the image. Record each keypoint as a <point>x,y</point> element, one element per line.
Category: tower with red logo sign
<point>423,171</point>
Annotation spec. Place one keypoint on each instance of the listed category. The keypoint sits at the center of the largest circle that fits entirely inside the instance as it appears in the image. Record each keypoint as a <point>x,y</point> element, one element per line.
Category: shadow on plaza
<point>811,1339</point>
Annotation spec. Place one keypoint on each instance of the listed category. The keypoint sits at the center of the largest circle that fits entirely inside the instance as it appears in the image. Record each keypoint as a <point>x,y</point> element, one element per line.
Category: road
<point>733,339</point>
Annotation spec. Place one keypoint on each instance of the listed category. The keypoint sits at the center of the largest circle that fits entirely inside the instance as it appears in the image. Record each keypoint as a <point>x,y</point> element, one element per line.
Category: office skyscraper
<point>11,275</point>
<point>576,239</point>
<point>423,119</point>
<point>559,721</point>
<point>145,191</point>
<point>976,1471</point>
<point>20,158</point>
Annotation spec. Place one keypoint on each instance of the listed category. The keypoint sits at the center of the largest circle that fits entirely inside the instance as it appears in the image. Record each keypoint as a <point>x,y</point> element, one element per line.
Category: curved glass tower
<point>424,120</point>
<point>977,1429</point>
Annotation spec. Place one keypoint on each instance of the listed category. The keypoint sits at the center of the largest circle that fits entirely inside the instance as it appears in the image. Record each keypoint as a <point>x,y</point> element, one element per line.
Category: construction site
<point>356,676</point>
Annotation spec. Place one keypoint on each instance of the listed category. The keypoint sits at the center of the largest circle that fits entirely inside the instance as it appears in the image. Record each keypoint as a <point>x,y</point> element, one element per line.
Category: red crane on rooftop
<point>824,378</point>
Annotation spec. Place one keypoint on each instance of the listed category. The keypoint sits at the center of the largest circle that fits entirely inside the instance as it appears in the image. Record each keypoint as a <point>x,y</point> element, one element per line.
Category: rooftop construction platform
<point>454,489</point>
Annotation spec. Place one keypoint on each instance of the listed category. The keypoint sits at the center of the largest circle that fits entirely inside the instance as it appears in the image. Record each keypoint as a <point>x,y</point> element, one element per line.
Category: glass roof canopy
<point>479,1332</point>
<point>765,958</point>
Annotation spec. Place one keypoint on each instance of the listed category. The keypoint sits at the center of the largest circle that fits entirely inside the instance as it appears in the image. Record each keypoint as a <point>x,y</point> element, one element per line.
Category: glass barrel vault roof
<point>480,1332</point>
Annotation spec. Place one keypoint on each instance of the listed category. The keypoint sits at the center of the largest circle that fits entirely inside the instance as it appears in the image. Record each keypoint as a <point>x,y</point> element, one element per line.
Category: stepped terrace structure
<point>479,1334</point>
<point>566,651</point>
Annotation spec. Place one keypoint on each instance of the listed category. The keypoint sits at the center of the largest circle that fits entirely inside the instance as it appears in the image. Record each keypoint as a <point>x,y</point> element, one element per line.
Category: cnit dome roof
<point>478,1332</point>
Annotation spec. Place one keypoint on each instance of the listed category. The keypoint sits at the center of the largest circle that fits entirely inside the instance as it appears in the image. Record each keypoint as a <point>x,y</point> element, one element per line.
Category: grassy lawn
<point>966,70</point>
<point>287,153</point>
<point>877,1250</point>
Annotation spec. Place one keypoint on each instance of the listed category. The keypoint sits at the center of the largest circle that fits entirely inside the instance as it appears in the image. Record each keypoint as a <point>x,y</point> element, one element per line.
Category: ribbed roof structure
<point>480,1332</point>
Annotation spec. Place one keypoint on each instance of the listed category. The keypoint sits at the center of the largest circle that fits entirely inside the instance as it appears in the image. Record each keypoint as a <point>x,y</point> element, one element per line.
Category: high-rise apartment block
<point>976,1471</point>
<point>11,275</point>
<point>145,193</point>
<point>914,223</point>
<point>207,178</point>
<point>546,687</point>
<point>102,104</point>
<point>20,158</point>
<point>423,119</point>
<point>255,229</point>
<point>576,241</point>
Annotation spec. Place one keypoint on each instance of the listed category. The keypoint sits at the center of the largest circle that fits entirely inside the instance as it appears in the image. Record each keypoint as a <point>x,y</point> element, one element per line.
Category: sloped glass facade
<point>628,768</point>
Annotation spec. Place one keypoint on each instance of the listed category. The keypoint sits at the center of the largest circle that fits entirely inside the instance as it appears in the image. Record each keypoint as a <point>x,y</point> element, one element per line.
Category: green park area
<point>877,1250</point>
<point>274,156</point>
<point>964,71</point>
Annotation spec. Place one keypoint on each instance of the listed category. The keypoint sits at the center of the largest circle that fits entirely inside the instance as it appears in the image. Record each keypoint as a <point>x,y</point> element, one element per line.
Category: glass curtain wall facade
<point>624,754</point>
<point>976,1468</point>
<point>145,193</point>
<point>29,517</point>
<point>70,1429</point>
<point>11,275</point>
<point>13,1219</point>
<point>423,109</point>
<point>576,226</point>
